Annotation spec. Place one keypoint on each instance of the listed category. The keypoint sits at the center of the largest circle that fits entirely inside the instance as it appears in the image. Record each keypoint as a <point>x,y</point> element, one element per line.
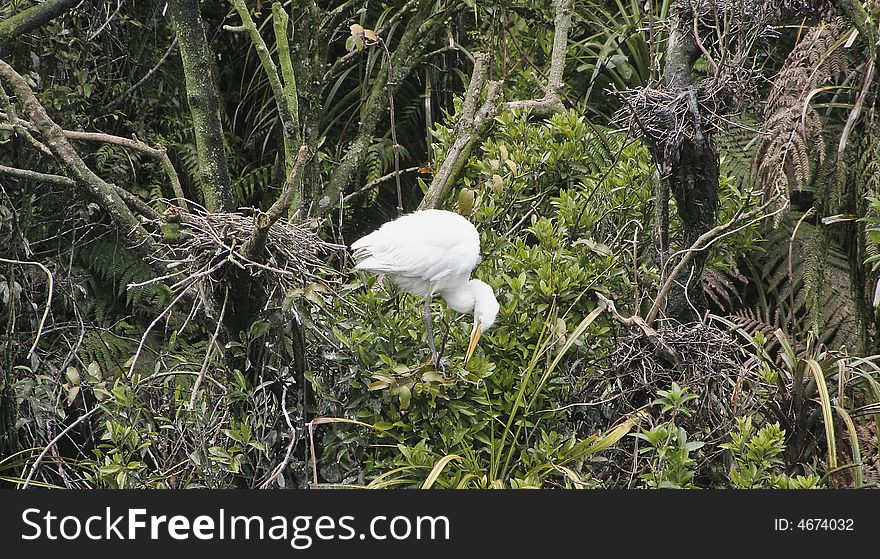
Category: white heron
<point>427,253</point>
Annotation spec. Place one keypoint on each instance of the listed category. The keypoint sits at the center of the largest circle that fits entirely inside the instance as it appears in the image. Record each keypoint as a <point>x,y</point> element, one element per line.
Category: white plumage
<point>427,253</point>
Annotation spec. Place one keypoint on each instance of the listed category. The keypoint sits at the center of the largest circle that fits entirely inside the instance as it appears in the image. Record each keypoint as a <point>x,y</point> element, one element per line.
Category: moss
<point>204,104</point>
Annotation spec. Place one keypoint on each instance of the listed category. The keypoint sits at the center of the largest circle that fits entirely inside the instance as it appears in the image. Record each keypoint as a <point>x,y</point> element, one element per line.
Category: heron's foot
<point>440,363</point>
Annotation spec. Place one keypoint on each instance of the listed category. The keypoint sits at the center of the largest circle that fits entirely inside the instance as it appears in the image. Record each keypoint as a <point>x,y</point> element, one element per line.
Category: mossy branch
<point>33,18</point>
<point>278,90</point>
<point>104,194</point>
<point>156,153</point>
<point>474,125</point>
<point>551,102</point>
<point>281,20</point>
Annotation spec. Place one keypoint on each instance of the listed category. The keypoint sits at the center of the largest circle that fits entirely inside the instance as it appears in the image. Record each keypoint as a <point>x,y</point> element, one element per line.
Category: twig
<point>52,443</point>
<point>661,348</point>
<point>396,146</point>
<point>283,464</point>
<point>372,184</point>
<point>703,242</point>
<point>155,321</point>
<point>107,23</point>
<point>48,298</point>
<point>208,354</point>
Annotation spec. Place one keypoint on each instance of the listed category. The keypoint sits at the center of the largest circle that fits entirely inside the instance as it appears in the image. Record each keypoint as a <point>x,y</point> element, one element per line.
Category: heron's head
<point>485,312</point>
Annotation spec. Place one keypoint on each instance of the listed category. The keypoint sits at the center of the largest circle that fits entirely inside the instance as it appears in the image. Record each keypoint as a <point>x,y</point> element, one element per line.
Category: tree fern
<point>792,145</point>
<point>811,291</point>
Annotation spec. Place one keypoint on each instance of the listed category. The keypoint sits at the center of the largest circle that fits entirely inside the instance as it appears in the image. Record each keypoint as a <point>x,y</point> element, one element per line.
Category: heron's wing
<point>430,247</point>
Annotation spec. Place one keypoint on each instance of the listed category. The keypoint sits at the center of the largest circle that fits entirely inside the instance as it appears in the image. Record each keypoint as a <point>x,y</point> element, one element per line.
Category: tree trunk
<point>204,104</point>
<point>690,169</point>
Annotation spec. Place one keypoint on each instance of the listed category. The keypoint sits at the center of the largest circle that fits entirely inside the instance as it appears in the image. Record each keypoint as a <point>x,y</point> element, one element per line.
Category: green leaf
<point>438,469</point>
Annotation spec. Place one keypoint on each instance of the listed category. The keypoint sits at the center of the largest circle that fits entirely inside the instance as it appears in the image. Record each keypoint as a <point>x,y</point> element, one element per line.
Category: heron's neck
<point>459,298</point>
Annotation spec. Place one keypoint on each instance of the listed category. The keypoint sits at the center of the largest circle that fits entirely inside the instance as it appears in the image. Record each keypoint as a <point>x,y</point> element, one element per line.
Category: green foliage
<point>800,279</point>
<point>672,466</point>
<point>114,268</point>
<point>758,462</point>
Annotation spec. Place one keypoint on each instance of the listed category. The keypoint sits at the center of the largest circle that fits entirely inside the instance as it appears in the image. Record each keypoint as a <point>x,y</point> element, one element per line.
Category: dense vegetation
<point>679,210</point>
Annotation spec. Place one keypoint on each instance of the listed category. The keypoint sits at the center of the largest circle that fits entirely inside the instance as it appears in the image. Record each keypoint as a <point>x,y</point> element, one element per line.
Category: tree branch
<point>159,154</point>
<point>33,18</point>
<point>702,243</point>
<point>281,100</point>
<point>552,100</point>
<point>106,195</point>
<point>472,126</point>
<point>257,243</point>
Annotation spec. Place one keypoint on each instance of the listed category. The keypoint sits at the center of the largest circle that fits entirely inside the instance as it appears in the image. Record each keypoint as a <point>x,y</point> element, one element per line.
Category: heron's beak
<point>475,337</point>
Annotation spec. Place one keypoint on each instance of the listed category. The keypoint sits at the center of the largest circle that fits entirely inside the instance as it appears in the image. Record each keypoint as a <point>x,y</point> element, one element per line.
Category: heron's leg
<point>429,326</point>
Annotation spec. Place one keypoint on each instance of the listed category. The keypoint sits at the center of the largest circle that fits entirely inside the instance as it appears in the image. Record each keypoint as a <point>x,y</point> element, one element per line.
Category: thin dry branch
<point>662,349</point>
<point>209,352</point>
<point>703,242</point>
<point>122,96</point>
<point>49,291</point>
<point>53,442</point>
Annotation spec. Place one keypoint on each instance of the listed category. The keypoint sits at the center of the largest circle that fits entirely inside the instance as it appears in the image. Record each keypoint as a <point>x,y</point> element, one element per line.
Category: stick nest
<point>711,366</point>
<point>205,244</point>
<point>668,116</point>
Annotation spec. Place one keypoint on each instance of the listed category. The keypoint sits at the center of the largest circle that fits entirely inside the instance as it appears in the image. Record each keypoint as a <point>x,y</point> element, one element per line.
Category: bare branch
<point>144,79</point>
<point>472,126</point>
<point>702,243</point>
<point>552,100</point>
<point>50,290</point>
